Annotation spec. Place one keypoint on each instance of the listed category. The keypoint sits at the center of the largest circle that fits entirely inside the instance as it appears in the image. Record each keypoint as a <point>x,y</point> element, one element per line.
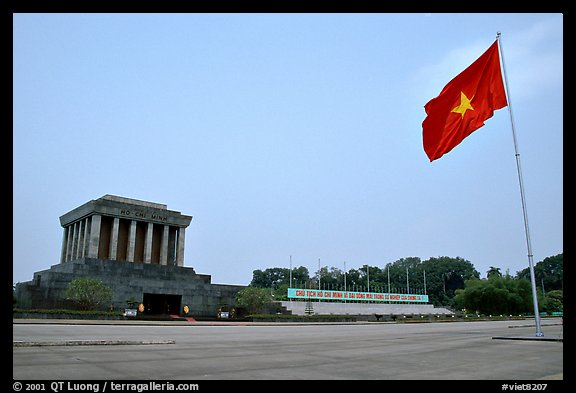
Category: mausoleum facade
<point>123,229</point>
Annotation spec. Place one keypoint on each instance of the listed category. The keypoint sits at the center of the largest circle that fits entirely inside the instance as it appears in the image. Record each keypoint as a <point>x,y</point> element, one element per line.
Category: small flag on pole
<point>464,104</point>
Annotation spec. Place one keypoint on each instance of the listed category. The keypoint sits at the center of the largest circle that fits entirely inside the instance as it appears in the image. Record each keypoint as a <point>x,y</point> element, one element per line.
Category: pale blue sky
<point>286,134</point>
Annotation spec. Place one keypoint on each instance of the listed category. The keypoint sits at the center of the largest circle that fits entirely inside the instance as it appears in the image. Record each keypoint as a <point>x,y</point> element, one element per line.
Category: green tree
<point>330,277</point>
<point>444,276</point>
<point>549,273</point>
<point>277,276</point>
<point>493,271</point>
<point>280,292</point>
<point>269,278</point>
<point>495,295</point>
<point>553,301</point>
<point>300,277</point>
<point>253,299</point>
<point>88,293</point>
<point>354,280</point>
<point>405,274</point>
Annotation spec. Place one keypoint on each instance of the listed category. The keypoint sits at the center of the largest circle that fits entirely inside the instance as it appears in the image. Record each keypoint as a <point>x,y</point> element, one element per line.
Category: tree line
<point>448,282</point>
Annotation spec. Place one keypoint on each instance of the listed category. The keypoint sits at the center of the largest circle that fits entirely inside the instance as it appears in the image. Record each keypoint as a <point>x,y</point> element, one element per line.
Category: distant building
<point>136,248</point>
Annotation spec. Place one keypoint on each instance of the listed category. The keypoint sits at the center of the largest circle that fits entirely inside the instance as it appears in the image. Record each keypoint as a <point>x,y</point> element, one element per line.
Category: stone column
<point>148,243</point>
<point>69,242</point>
<point>64,245</point>
<point>86,238</point>
<point>164,246</point>
<point>74,240</point>
<point>77,247</point>
<point>94,236</point>
<point>180,247</point>
<point>80,247</point>
<point>131,241</point>
<point>77,230</point>
<point>173,233</point>
<point>114,238</point>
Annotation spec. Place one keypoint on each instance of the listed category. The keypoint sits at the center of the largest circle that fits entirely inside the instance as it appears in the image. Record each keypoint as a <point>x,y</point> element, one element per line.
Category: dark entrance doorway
<point>157,303</point>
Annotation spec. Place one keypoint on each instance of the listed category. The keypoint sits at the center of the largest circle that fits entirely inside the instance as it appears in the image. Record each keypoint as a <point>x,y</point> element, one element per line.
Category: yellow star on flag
<point>464,104</point>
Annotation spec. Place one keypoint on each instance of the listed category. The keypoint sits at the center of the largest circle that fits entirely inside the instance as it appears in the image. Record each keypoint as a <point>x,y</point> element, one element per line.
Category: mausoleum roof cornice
<point>133,209</point>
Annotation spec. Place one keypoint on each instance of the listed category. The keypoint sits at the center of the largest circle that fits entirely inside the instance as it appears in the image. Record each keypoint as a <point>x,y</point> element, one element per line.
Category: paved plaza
<point>250,351</point>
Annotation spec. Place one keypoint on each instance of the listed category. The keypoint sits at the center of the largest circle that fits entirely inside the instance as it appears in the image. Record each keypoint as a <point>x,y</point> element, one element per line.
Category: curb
<point>529,338</point>
<point>89,342</point>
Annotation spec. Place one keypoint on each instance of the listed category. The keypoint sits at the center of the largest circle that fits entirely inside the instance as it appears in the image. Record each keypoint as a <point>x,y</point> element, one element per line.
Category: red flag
<point>464,104</point>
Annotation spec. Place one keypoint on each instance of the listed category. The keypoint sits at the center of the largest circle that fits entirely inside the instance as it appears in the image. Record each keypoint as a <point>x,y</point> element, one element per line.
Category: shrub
<point>88,293</point>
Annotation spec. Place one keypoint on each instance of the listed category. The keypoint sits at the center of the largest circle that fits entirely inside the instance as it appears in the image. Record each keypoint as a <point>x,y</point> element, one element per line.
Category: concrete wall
<point>336,308</point>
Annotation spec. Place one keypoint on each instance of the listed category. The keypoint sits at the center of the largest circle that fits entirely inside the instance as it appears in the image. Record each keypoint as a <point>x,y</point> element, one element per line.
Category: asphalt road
<point>356,351</point>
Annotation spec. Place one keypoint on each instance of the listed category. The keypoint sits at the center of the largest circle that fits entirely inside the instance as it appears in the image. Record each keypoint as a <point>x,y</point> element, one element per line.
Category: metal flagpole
<point>345,292</point>
<point>318,273</point>
<point>523,197</point>
<point>407,283</point>
<point>290,278</point>
<point>344,278</point>
<point>368,276</point>
<point>424,281</point>
<point>290,271</point>
<point>388,268</point>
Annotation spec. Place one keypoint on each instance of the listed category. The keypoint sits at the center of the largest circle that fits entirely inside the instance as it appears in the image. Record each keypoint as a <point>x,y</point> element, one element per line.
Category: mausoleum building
<point>137,249</point>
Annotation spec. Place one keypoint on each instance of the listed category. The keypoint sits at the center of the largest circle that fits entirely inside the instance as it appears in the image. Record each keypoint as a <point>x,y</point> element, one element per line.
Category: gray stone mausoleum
<point>136,248</point>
